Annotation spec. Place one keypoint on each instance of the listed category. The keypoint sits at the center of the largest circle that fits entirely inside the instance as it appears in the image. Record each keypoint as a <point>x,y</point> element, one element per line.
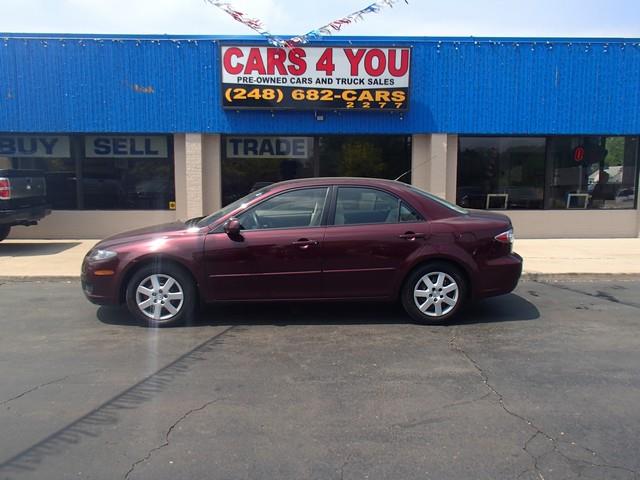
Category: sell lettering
<point>123,146</point>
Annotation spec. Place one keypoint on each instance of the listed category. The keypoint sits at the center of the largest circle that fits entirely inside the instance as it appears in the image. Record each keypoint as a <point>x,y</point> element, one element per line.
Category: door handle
<point>412,235</point>
<point>304,243</point>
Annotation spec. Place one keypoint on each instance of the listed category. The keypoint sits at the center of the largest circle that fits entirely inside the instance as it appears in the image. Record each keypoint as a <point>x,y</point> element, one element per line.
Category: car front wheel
<point>161,296</point>
<point>434,293</point>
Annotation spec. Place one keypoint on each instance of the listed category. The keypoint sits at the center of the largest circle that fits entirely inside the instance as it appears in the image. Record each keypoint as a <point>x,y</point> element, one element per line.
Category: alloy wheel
<point>159,297</point>
<point>436,294</point>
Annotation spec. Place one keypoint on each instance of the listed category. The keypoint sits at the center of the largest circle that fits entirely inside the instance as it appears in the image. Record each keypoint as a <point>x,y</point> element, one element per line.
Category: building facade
<point>138,130</point>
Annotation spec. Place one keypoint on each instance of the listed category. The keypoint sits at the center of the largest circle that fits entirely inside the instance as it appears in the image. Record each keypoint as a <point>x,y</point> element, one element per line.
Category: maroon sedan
<point>311,239</point>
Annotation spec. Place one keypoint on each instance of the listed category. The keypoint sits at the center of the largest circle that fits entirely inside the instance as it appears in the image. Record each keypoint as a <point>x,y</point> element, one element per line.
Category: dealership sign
<point>34,146</point>
<point>272,147</point>
<point>105,146</point>
<point>315,78</point>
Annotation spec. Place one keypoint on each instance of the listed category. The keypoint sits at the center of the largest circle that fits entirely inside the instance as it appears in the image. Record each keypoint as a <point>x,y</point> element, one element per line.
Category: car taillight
<point>505,237</point>
<point>5,189</point>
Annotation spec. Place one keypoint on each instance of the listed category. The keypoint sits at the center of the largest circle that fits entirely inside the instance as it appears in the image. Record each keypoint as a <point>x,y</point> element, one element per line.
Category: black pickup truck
<point>22,199</point>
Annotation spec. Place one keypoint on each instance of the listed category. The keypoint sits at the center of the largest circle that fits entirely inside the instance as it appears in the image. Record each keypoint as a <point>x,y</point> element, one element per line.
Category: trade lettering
<point>267,147</point>
<point>298,147</point>
<point>235,143</point>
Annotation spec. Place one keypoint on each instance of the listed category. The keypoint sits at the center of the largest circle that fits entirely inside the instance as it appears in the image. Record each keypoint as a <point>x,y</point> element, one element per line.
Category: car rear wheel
<point>434,293</point>
<point>161,296</point>
<point>4,231</point>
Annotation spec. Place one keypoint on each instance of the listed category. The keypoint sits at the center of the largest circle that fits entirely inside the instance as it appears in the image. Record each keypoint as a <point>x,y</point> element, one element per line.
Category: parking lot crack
<point>33,389</point>
<point>556,443</point>
<point>167,436</point>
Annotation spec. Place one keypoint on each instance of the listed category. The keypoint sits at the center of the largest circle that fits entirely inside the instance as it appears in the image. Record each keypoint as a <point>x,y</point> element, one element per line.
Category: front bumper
<point>24,216</point>
<point>99,289</point>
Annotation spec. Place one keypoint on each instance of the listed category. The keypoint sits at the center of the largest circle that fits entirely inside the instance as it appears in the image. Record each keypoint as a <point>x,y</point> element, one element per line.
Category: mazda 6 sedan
<point>311,240</point>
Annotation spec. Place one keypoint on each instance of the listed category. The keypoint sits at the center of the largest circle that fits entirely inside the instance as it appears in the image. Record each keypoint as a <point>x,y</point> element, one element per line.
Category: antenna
<point>408,171</point>
<point>411,169</point>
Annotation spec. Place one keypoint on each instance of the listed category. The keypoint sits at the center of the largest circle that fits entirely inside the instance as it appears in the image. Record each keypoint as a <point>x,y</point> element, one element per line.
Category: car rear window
<point>440,201</point>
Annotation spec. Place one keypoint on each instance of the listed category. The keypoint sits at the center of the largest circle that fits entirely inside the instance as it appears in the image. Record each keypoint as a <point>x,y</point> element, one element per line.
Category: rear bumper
<point>24,216</point>
<point>500,276</point>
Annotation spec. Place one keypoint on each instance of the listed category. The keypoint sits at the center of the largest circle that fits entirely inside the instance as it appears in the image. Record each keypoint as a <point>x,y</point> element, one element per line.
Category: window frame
<point>331,216</point>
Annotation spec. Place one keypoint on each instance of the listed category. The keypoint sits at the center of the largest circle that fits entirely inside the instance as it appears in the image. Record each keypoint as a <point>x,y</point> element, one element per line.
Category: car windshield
<point>439,200</point>
<point>232,206</point>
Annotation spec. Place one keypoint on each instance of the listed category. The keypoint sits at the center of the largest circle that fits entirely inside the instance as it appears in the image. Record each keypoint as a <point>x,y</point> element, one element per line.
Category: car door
<point>371,236</point>
<point>277,254</point>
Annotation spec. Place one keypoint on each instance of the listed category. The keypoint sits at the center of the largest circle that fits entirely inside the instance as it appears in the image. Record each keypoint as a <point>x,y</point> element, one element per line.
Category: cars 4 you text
<point>315,77</point>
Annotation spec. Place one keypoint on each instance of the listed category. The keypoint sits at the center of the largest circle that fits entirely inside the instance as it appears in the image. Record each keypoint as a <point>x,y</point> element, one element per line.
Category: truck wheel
<point>4,231</point>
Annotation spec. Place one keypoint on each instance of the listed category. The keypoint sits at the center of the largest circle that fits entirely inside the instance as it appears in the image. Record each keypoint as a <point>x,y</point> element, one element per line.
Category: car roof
<point>363,181</point>
<point>435,208</point>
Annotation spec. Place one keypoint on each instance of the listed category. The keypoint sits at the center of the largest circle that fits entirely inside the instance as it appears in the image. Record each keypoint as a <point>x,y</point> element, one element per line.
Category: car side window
<point>408,214</point>
<point>356,206</point>
<point>294,209</point>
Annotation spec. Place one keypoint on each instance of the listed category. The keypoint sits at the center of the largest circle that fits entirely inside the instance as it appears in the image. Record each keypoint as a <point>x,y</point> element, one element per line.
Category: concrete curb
<point>47,278</point>
<point>582,277</point>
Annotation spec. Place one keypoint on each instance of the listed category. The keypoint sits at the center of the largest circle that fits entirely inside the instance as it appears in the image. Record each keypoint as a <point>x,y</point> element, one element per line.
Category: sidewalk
<point>567,256</point>
<point>620,256</point>
<point>43,258</point>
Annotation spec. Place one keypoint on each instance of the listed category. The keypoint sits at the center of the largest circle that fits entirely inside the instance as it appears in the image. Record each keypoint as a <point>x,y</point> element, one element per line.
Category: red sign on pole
<point>578,154</point>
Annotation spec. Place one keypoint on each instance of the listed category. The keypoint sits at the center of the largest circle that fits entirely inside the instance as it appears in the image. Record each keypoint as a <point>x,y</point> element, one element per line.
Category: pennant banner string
<point>335,26</point>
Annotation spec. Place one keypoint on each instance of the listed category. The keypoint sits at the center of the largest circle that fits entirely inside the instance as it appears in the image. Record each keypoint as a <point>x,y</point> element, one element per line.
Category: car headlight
<point>99,255</point>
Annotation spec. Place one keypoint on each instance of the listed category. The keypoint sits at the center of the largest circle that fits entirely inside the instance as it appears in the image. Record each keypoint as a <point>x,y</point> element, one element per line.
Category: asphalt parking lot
<point>540,384</point>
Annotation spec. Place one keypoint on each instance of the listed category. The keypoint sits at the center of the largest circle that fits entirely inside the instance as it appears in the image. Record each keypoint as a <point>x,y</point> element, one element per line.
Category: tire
<point>163,308</point>
<point>442,291</point>
<point>4,231</point>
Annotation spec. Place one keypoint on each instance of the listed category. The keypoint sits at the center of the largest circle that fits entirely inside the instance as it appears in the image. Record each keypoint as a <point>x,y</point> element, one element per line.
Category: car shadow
<point>507,308</point>
<point>27,249</point>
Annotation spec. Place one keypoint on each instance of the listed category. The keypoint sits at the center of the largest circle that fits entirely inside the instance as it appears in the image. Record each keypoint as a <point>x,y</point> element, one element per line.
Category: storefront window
<point>501,172</point>
<point>563,172</point>
<point>250,162</point>
<point>49,153</point>
<point>127,173</point>
<point>89,172</point>
<point>378,156</point>
<point>592,172</point>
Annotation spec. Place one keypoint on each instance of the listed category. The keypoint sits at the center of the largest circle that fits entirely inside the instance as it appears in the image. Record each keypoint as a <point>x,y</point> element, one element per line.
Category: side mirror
<point>232,227</point>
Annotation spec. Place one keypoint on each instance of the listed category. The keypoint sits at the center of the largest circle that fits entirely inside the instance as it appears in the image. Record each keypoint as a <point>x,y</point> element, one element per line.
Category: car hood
<point>148,233</point>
